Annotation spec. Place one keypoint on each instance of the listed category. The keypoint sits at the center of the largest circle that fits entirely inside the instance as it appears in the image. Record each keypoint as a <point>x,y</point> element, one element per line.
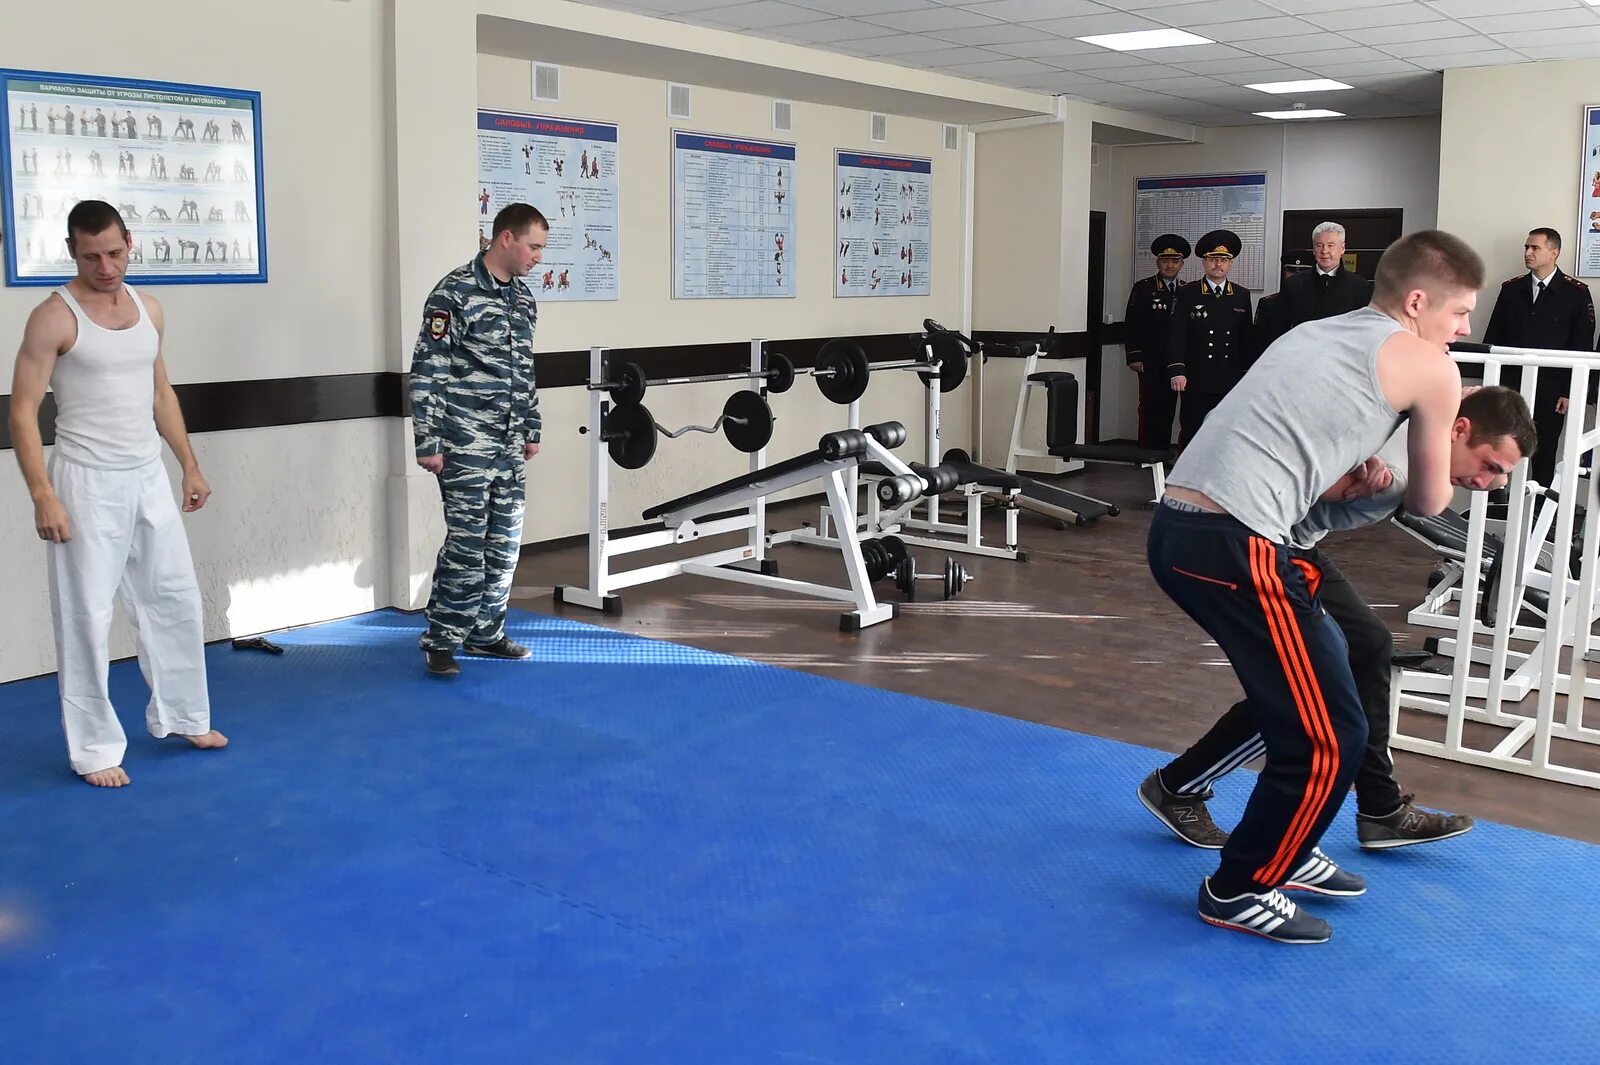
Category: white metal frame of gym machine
<point>1490,684</point>
<point>685,525</point>
<point>901,521</point>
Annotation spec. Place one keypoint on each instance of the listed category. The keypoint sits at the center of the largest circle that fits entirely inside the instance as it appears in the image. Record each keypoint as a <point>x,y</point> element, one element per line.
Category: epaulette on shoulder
<point>1574,282</point>
<point>1508,282</point>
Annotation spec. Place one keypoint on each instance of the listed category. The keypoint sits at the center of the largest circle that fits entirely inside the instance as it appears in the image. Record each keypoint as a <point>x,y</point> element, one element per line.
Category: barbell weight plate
<point>781,367</point>
<point>630,386</point>
<point>957,457</point>
<point>842,370</point>
<point>896,549</point>
<point>954,578</point>
<point>905,579</point>
<point>876,560</point>
<point>753,430</point>
<point>951,355</point>
<point>630,435</point>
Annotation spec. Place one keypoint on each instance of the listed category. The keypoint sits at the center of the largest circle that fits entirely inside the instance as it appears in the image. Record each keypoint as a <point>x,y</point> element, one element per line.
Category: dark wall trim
<point>218,406</point>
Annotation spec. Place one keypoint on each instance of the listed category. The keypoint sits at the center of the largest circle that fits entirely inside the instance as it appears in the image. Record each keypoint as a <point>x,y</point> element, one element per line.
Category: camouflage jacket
<point>472,381</point>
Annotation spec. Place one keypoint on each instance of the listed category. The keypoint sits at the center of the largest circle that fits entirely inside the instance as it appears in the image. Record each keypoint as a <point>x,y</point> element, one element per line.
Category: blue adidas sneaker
<point>1269,915</point>
<point>1318,873</point>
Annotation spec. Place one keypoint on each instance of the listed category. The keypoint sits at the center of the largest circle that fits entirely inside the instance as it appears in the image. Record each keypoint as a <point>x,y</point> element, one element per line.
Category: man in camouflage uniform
<point>475,408</point>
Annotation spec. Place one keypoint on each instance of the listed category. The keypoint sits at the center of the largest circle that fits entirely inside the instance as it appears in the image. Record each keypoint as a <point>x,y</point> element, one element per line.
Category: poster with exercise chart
<point>1586,262</point>
<point>883,225</point>
<point>1193,206</point>
<point>181,163</point>
<point>732,217</point>
<point>567,168</point>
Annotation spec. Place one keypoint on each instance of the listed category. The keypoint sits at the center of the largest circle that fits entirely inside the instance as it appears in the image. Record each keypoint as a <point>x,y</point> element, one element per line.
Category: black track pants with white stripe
<point>1234,741</point>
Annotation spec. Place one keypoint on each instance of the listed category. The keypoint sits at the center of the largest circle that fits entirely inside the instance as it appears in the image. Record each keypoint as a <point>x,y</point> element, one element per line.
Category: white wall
<point>1505,170</point>
<point>1322,165</point>
<point>289,536</point>
<point>646,313</point>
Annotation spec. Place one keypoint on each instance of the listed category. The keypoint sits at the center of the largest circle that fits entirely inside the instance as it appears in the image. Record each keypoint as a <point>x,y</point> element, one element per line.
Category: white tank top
<point>105,392</point>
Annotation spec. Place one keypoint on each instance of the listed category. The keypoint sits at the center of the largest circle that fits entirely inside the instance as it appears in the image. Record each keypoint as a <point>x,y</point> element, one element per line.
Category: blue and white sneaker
<point>1318,873</point>
<point>1269,915</point>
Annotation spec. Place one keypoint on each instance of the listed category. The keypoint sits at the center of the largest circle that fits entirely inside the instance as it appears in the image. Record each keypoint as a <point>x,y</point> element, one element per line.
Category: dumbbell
<point>923,480</point>
<point>954,578</point>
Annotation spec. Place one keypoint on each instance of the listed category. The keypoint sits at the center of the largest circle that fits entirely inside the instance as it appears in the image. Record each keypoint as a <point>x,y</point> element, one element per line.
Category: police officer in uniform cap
<point>1148,324</point>
<point>1209,333</point>
<point>475,412</point>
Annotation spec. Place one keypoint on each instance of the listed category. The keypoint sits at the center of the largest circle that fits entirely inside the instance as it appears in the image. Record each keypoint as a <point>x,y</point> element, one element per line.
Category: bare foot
<point>108,778</point>
<point>209,739</point>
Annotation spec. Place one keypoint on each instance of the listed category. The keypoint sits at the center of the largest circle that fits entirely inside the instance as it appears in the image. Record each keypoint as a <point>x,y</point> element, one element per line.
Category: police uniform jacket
<point>1562,319</point>
<point>472,389</point>
<point>1309,296</point>
<point>1148,321</point>
<point>1209,336</point>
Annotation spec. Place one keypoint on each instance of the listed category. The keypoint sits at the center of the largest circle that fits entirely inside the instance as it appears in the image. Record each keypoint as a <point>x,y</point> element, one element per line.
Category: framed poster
<point>1586,261</point>
<point>1193,206</point>
<point>732,217</point>
<point>182,163</point>
<point>883,225</point>
<point>568,169</point>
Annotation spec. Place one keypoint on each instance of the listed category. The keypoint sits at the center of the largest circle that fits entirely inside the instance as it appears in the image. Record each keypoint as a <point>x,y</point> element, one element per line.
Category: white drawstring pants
<point>128,543</point>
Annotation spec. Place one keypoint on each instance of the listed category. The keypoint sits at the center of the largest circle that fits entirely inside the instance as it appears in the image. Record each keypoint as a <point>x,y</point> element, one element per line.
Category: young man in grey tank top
<point>1176,793</point>
<point>1317,406</point>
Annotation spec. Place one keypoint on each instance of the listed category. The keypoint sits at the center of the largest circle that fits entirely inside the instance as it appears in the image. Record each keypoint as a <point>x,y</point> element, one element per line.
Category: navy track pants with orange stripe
<point>1294,666</point>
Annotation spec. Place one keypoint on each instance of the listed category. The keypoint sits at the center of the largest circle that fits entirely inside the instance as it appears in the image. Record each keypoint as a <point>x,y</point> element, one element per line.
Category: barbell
<point>629,387</point>
<point>887,556</point>
<point>630,430</point>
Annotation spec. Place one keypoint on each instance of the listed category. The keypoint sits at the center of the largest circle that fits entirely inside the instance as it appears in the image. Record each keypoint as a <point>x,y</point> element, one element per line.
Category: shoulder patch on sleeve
<point>438,323</point>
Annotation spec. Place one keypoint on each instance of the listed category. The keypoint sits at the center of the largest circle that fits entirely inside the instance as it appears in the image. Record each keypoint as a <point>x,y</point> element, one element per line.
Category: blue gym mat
<point>624,850</point>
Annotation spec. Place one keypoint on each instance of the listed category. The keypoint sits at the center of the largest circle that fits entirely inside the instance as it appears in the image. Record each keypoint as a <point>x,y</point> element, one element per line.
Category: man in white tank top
<point>104,505</point>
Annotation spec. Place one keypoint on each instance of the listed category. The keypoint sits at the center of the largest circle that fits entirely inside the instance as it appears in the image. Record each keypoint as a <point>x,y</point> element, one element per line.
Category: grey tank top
<point>1308,412</point>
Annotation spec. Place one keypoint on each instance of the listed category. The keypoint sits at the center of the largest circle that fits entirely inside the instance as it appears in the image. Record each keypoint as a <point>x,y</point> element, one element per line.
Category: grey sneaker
<point>501,648</point>
<point>1185,815</point>
<point>1408,826</point>
<point>1270,915</point>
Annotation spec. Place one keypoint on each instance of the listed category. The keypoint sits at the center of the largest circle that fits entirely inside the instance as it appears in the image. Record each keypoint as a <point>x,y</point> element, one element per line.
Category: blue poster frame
<point>136,274</point>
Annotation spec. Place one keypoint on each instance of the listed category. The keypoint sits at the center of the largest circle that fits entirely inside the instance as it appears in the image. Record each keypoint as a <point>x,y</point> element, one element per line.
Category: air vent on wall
<point>782,116</point>
<point>879,131</point>
<point>952,138</point>
<point>678,101</point>
<point>546,81</point>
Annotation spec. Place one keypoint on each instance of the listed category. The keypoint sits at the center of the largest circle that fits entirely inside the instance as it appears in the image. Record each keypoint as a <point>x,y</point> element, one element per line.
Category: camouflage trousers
<point>483,505</point>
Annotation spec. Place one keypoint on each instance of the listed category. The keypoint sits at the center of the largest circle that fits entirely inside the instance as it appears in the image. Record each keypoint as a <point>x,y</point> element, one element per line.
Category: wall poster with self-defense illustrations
<point>181,163</point>
<point>567,168</point>
<point>732,217</point>
<point>883,225</point>
<point>1587,261</point>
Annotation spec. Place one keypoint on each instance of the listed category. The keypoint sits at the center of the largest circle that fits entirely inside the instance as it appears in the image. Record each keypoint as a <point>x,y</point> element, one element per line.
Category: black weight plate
<point>630,435</point>
<point>756,430</point>
<point>629,390</point>
<point>781,367</point>
<point>957,457</point>
<point>847,368</point>
<point>896,549</point>
<point>951,355</point>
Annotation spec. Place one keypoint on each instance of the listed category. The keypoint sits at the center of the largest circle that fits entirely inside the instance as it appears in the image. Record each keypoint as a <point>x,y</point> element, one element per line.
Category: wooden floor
<point>1079,637</point>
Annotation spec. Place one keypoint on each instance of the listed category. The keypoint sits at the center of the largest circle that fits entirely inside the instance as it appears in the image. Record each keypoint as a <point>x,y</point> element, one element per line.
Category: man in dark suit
<point>1148,325</point>
<point>1210,334</point>
<point>1543,308</point>
<point>1328,289</point>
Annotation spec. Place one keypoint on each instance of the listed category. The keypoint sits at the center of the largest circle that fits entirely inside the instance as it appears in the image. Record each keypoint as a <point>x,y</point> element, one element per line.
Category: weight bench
<point>835,458</point>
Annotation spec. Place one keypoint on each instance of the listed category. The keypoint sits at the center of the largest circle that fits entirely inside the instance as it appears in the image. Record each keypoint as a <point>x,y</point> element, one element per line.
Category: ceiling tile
<point>1492,58</point>
<point>1291,49</point>
<point>1311,7</point>
<point>897,43</point>
<point>863,7</point>
<point>835,30</point>
<point>1058,81</point>
<point>1002,67</point>
<point>1536,20</point>
<point>1346,71</point>
<point>929,18</point>
<point>1445,46</point>
<point>1214,12</point>
<point>1242,65</point>
<point>1476,8</point>
<point>944,57</point>
<point>1048,46</point>
<point>1418,31</point>
<point>1275,74</point>
<point>1204,53</point>
<point>1366,17</point>
<point>1551,38</point>
<point>1572,50</point>
<point>1035,10</point>
<point>999,33</point>
<point>1110,22</point>
<point>1258,29</point>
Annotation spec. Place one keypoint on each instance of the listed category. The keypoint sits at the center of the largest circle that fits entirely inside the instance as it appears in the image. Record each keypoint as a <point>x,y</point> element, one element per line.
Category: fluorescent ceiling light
<point>1139,40</point>
<point>1310,112</point>
<point>1313,85</point>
